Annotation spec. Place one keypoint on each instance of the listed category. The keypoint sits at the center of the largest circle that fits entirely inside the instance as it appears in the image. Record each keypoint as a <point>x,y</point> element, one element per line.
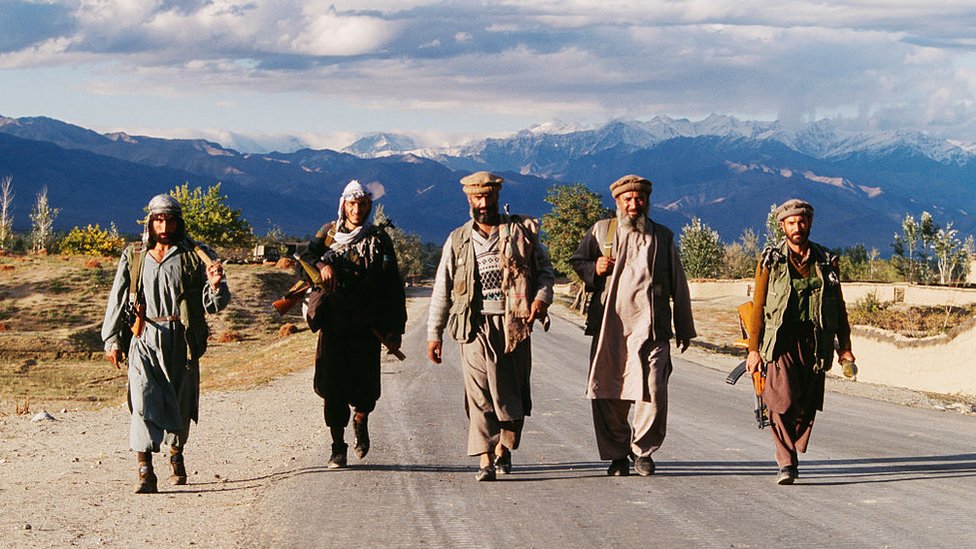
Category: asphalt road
<point>876,474</point>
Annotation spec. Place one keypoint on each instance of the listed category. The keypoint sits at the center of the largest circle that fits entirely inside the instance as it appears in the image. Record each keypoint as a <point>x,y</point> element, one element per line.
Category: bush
<point>92,240</point>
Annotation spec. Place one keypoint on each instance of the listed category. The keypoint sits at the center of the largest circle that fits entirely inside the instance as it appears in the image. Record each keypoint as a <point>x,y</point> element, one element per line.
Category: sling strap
<point>608,239</point>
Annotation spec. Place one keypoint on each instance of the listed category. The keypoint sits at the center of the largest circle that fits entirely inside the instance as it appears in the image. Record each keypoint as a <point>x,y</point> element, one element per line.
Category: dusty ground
<point>67,481</point>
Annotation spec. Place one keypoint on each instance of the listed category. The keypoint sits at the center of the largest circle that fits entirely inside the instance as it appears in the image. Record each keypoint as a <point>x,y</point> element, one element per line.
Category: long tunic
<point>369,295</point>
<point>622,367</point>
<point>164,386</point>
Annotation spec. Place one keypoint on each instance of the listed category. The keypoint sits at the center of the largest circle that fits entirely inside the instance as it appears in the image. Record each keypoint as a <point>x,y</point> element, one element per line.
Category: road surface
<point>876,474</point>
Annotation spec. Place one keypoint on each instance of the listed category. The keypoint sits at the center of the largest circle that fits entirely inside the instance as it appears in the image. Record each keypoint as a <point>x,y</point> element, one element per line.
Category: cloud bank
<point>885,64</point>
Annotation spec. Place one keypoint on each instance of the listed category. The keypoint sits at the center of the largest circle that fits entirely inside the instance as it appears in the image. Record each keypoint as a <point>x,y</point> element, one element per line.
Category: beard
<point>486,216</point>
<point>636,223</point>
<point>168,238</point>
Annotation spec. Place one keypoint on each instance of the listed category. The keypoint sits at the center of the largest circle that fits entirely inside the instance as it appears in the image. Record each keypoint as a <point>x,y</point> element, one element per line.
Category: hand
<point>115,357</point>
<point>434,349</point>
<point>215,274</point>
<point>604,265</point>
<point>683,344</point>
<point>847,356</point>
<point>753,362</point>
<point>538,311</point>
<point>328,278</point>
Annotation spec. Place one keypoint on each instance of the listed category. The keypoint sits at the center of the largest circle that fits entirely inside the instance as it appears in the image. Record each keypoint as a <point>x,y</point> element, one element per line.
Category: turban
<point>165,204</point>
<point>481,182</point>
<point>630,183</point>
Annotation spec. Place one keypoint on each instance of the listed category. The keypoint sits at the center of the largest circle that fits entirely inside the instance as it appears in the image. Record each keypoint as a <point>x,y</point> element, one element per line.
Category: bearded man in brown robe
<point>632,266</point>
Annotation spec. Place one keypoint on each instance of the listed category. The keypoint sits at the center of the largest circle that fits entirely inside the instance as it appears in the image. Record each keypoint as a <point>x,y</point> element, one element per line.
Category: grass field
<point>51,309</point>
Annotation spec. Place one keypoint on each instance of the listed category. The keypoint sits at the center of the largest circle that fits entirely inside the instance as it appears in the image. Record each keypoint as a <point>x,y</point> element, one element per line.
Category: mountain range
<point>721,169</point>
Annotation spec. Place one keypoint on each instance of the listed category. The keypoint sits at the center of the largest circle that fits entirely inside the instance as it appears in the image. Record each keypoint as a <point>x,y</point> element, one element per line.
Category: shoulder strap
<point>608,239</point>
<point>330,236</point>
<point>137,255</point>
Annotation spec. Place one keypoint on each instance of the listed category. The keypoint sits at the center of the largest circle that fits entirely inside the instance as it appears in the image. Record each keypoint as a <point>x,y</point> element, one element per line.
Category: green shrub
<point>92,240</point>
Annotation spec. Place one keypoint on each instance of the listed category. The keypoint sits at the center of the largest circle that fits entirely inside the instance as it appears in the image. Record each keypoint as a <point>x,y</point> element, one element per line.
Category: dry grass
<point>51,356</point>
<point>909,321</point>
<point>52,308</point>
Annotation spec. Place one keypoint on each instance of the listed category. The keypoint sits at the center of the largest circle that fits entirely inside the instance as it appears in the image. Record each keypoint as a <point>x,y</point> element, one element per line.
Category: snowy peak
<point>381,144</point>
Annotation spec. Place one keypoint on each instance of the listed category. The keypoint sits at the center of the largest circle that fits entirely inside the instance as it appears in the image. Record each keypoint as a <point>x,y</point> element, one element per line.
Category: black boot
<point>361,428</point>
<point>338,458</point>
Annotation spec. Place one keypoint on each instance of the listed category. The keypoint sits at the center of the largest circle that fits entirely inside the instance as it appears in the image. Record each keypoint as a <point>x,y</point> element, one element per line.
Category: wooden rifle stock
<point>294,296</point>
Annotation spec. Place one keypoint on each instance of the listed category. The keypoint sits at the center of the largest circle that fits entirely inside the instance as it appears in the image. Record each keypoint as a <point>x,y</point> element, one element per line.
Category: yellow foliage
<point>92,240</point>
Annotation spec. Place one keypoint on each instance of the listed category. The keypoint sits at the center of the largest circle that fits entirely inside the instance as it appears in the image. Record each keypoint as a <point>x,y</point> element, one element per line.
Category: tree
<point>209,219</point>
<point>741,256</point>
<point>774,232</point>
<point>410,251</point>
<point>6,211</point>
<point>42,222</point>
<point>700,249</point>
<point>575,209</point>
<point>947,250</point>
<point>910,247</point>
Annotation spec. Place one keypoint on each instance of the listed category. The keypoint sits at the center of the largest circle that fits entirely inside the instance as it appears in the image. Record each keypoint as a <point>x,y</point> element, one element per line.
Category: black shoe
<point>361,430</point>
<point>485,474</point>
<point>619,468</point>
<point>787,475</point>
<point>178,477</point>
<point>503,463</point>
<point>147,480</point>
<point>338,458</point>
<point>644,466</point>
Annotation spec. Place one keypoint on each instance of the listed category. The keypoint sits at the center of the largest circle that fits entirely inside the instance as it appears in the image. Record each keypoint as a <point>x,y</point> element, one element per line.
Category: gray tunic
<point>163,386</point>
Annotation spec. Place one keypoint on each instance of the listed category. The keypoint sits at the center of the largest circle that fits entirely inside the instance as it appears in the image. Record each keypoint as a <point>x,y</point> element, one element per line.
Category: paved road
<point>877,474</point>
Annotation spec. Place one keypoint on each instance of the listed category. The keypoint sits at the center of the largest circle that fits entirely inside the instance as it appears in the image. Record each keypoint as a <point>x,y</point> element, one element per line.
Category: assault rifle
<point>296,294</point>
<point>759,377</point>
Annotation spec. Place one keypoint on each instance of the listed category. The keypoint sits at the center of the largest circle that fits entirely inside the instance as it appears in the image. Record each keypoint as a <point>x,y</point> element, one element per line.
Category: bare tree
<point>42,221</point>
<point>6,211</point>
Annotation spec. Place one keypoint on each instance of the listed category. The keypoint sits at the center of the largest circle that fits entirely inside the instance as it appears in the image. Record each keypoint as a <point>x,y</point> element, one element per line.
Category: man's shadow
<point>815,472</point>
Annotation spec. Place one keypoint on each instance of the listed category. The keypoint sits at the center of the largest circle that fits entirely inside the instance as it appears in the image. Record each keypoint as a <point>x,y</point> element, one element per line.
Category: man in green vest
<point>799,319</point>
<point>163,286</point>
<point>631,265</point>
<point>494,280</point>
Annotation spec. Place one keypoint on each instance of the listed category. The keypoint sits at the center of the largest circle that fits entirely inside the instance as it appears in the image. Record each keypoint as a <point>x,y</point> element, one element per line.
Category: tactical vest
<point>460,323</point>
<point>660,279</point>
<point>189,294</point>
<point>825,301</point>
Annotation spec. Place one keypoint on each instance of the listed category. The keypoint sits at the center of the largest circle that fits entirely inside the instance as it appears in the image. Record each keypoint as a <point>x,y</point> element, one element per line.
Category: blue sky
<point>327,71</point>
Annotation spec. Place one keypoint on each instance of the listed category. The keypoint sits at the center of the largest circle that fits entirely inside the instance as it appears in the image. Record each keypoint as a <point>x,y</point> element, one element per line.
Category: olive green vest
<point>464,308</point>
<point>825,301</point>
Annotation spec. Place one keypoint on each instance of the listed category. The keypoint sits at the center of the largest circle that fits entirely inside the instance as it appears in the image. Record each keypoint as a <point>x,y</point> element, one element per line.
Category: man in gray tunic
<point>632,266</point>
<point>494,280</point>
<point>164,284</point>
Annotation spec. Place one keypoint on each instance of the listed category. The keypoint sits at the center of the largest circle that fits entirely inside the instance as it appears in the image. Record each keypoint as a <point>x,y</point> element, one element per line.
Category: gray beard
<point>638,223</point>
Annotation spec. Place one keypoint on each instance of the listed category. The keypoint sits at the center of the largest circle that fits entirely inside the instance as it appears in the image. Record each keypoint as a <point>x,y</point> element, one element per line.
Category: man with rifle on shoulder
<point>798,313</point>
<point>155,315</point>
<point>358,303</point>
